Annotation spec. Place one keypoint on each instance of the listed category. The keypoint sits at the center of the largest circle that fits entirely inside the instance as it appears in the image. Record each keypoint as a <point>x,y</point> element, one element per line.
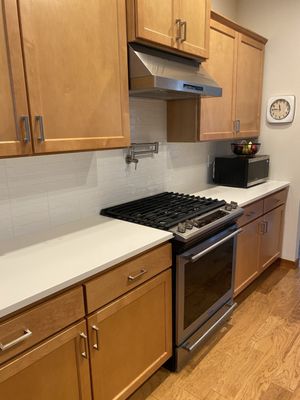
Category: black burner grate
<point>163,210</point>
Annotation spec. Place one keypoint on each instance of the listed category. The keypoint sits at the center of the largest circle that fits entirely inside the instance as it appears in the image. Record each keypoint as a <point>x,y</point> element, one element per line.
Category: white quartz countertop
<point>36,267</point>
<point>32,268</point>
<point>243,196</point>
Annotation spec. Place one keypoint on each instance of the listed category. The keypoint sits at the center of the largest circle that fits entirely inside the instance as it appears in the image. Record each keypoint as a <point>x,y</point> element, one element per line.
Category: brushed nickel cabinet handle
<point>238,126</point>
<point>40,121</point>
<point>266,226</point>
<point>183,25</point>
<point>234,126</point>
<point>178,29</point>
<point>83,337</point>
<point>134,277</point>
<point>26,335</point>
<point>261,228</point>
<point>96,330</point>
<point>25,120</point>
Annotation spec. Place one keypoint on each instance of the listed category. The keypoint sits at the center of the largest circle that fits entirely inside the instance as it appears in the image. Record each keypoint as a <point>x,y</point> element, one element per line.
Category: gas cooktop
<point>186,216</point>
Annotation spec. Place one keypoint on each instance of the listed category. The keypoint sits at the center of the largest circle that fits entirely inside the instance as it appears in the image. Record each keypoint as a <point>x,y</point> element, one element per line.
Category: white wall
<point>225,7</point>
<point>279,22</point>
<point>38,193</point>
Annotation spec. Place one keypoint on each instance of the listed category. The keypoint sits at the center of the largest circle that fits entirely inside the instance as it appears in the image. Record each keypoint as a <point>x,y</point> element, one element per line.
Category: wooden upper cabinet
<point>194,26</point>
<point>15,136</point>
<point>236,63</point>
<point>76,64</point>
<point>176,25</point>
<point>250,59</point>
<point>73,57</point>
<point>154,20</point>
<point>217,113</point>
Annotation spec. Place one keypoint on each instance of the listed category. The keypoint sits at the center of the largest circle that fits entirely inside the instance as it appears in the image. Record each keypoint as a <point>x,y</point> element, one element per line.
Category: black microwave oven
<point>241,171</point>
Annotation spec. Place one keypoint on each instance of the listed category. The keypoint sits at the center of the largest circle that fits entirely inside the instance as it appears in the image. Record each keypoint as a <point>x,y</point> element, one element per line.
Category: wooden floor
<point>256,356</point>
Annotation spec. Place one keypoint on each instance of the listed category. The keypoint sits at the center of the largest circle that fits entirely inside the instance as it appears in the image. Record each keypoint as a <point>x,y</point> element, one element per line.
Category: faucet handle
<point>130,158</point>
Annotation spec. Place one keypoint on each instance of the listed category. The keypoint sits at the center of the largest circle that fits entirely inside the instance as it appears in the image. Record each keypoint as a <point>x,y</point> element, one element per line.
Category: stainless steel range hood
<point>156,74</point>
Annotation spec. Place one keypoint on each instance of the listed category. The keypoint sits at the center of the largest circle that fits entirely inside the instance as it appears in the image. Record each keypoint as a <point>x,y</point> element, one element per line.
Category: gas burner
<point>182,214</point>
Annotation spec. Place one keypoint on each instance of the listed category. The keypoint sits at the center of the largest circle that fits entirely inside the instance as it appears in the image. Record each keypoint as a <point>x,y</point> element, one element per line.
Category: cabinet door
<point>271,239</point>
<point>247,255</point>
<point>54,370</point>
<point>15,136</point>
<point>76,64</point>
<point>130,339</point>
<point>191,120</point>
<point>249,85</point>
<point>194,16</point>
<point>151,20</point>
<point>218,113</point>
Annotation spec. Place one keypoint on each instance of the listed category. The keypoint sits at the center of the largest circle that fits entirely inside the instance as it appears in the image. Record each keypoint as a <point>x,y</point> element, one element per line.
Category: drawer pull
<point>84,337</point>
<point>134,277</point>
<point>250,214</point>
<point>96,330</point>
<point>26,335</point>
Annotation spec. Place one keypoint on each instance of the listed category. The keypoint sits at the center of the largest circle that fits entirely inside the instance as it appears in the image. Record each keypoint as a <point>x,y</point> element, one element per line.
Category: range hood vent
<point>159,75</point>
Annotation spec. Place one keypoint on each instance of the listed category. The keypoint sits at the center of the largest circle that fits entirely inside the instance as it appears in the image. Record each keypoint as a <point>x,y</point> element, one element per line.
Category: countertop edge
<point>258,197</point>
<point>30,301</point>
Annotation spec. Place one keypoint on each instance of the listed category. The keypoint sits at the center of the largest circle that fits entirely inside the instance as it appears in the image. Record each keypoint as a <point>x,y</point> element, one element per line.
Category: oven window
<point>206,281</point>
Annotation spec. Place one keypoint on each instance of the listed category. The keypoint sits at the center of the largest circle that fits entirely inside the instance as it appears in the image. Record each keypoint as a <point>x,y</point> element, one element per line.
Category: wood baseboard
<point>289,263</point>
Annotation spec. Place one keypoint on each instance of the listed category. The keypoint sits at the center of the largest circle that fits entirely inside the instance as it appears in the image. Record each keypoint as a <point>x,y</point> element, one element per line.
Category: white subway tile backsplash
<point>37,193</point>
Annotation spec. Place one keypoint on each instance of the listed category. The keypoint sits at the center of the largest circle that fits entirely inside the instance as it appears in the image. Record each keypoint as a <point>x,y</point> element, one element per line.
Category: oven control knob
<point>228,207</point>
<point>234,204</point>
<point>189,224</point>
<point>181,228</point>
<point>195,223</point>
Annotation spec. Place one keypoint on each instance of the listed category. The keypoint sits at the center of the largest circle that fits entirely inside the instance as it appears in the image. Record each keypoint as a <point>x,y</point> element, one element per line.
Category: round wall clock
<point>281,109</point>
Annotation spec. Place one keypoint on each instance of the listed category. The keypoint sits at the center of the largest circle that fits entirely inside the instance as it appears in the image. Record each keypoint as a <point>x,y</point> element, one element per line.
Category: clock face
<point>280,109</point>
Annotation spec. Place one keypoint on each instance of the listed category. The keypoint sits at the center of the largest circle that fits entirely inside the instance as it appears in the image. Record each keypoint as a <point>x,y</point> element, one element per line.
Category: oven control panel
<point>192,228</point>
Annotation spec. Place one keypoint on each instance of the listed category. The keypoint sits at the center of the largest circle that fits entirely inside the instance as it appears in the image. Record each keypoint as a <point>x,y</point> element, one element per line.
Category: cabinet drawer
<point>251,212</point>
<point>123,278</point>
<point>275,200</point>
<point>40,322</point>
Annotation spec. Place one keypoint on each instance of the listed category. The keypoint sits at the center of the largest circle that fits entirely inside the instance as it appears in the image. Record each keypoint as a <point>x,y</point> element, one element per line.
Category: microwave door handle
<point>213,246</point>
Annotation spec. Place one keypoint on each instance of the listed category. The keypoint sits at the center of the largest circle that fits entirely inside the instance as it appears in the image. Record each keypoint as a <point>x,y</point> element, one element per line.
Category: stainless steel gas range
<point>204,248</point>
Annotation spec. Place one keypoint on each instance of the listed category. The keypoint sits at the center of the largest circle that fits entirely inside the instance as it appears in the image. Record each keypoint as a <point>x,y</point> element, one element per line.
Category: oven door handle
<point>213,246</point>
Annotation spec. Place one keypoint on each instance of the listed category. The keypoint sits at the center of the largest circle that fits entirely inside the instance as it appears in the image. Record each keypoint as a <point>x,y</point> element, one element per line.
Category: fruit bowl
<point>245,149</point>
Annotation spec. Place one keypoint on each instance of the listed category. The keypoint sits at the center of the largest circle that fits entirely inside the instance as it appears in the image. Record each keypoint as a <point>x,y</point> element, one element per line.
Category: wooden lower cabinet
<point>271,239</point>
<point>247,256</point>
<point>55,369</point>
<point>259,243</point>
<point>130,338</point>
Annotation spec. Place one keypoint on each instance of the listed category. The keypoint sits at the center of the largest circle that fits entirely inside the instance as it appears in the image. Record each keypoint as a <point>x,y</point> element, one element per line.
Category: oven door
<point>204,281</point>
